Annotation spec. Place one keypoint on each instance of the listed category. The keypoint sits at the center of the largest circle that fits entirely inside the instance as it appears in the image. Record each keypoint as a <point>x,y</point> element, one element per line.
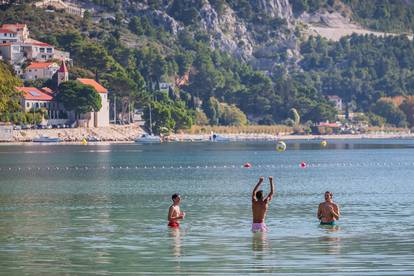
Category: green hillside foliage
<point>363,69</point>
<point>131,55</point>
<point>382,15</point>
<point>9,97</point>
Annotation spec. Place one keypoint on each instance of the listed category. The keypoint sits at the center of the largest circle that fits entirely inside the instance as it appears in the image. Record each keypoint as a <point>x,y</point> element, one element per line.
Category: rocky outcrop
<point>227,32</point>
<point>160,18</point>
<point>276,8</point>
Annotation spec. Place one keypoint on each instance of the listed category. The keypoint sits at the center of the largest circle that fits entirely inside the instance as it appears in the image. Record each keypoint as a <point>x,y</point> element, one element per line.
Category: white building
<point>21,31</point>
<point>16,47</point>
<point>40,70</point>
<point>100,118</point>
<point>33,98</point>
<point>7,36</point>
<point>337,101</point>
<point>61,5</point>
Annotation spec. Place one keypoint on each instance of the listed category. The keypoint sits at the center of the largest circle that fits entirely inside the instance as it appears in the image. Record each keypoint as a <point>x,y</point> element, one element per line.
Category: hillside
<point>225,59</point>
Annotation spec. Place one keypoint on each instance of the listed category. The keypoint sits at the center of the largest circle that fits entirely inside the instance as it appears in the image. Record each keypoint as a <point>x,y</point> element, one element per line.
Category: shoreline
<point>194,138</point>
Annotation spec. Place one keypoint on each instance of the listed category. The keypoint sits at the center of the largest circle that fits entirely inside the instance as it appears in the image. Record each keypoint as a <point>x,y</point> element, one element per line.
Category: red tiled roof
<point>40,65</point>
<point>47,90</point>
<point>7,26</point>
<point>324,124</point>
<point>34,94</point>
<point>37,42</point>
<point>5,44</point>
<point>6,31</point>
<point>99,88</point>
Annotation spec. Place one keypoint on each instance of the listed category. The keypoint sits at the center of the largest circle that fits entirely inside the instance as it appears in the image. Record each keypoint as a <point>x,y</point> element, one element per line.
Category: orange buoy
<point>247,165</point>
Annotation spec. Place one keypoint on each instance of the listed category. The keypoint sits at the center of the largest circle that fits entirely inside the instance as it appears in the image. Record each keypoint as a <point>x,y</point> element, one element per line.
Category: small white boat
<point>46,139</point>
<point>148,139</point>
<point>219,138</point>
<point>93,139</point>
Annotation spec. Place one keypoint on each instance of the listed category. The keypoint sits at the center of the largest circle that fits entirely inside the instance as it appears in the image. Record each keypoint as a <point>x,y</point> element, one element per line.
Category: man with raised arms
<point>328,211</point>
<point>260,206</point>
<point>174,213</point>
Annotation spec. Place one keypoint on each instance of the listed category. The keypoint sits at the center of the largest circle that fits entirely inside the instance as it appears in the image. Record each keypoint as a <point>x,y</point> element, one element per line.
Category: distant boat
<point>148,139</point>
<point>93,139</point>
<point>46,139</point>
<point>219,138</point>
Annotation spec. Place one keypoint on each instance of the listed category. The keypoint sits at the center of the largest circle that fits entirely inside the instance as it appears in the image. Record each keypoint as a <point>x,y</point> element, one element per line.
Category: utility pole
<point>129,112</point>
<point>114,109</point>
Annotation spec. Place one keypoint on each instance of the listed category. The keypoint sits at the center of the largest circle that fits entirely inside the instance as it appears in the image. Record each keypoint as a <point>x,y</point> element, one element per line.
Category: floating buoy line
<point>300,165</point>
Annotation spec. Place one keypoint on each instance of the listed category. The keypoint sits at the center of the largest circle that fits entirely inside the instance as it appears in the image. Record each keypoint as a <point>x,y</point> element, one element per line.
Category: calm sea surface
<point>101,209</point>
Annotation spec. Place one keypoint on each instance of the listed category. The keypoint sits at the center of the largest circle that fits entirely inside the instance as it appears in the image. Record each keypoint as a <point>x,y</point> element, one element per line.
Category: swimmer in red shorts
<point>174,213</point>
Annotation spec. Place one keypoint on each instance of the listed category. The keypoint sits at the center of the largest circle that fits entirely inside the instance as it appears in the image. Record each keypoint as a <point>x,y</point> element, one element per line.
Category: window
<point>37,105</point>
<point>42,50</point>
<point>49,50</point>
<point>27,104</point>
<point>44,56</point>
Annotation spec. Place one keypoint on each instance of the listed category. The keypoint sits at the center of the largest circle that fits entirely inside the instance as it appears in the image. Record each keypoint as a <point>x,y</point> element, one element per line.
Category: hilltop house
<point>40,70</point>
<point>61,5</point>
<point>7,36</point>
<point>337,101</point>
<point>16,47</point>
<point>34,99</point>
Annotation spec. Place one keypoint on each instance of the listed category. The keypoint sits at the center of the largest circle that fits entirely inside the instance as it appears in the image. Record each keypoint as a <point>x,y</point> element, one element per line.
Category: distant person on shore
<point>260,206</point>
<point>328,211</point>
<point>174,213</point>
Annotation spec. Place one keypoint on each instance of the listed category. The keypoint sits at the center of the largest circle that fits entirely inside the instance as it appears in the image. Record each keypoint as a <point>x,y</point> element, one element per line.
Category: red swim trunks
<point>173,224</point>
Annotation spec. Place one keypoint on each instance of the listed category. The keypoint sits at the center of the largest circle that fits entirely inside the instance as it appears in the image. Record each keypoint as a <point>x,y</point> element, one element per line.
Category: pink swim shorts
<point>259,227</point>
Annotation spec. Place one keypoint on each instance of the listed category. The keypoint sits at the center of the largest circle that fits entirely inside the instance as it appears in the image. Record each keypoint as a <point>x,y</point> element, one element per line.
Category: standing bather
<point>174,213</point>
<point>328,211</point>
<point>260,206</point>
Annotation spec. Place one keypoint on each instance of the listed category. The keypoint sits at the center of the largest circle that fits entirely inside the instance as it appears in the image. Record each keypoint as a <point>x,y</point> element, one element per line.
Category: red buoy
<point>303,165</point>
<point>247,165</point>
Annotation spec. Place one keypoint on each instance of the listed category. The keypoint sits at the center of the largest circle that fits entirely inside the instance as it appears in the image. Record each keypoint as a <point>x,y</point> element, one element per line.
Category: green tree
<point>392,114</point>
<point>78,97</point>
<point>407,106</point>
<point>94,57</point>
<point>135,25</point>
<point>232,116</point>
<point>9,96</point>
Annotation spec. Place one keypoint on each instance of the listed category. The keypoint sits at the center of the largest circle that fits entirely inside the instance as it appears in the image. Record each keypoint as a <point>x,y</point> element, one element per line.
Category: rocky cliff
<point>250,39</point>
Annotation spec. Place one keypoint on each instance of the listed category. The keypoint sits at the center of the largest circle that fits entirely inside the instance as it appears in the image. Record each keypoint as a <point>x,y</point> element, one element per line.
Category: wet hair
<point>330,193</point>
<point>174,196</point>
<point>259,195</point>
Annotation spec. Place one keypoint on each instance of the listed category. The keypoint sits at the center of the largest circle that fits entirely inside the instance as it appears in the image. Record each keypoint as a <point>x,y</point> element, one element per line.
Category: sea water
<point>102,209</point>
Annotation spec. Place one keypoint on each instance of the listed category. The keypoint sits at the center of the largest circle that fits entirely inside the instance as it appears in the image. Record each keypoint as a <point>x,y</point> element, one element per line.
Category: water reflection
<point>176,241</point>
<point>260,242</point>
<point>331,242</point>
